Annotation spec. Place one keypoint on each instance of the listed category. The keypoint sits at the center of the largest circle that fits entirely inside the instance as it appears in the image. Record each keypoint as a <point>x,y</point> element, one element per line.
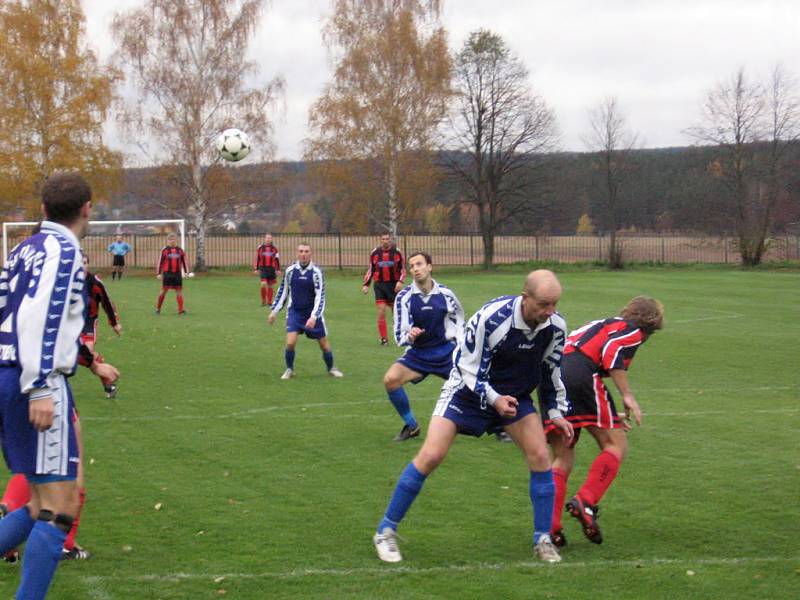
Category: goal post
<point>179,223</point>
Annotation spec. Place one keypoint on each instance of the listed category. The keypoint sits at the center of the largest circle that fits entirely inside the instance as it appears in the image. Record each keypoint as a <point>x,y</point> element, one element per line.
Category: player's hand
<point>506,406</point>
<point>271,318</point>
<point>414,333</point>
<point>398,286</point>
<point>108,373</point>
<point>311,323</point>
<point>631,408</point>
<point>255,270</point>
<point>364,289</point>
<point>40,413</point>
<point>158,276</point>
<point>278,273</point>
<point>117,329</point>
<point>565,427</point>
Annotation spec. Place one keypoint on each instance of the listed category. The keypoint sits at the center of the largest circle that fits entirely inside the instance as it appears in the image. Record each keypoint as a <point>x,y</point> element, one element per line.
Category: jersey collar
<point>59,228</point>
<point>415,289</point>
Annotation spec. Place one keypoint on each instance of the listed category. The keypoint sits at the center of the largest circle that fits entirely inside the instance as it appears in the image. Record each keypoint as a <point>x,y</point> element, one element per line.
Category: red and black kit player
<point>387,271</point>
<point>97,296</point>
<point>170,270</point>
<point>268,266</point>
<point>599,349</point>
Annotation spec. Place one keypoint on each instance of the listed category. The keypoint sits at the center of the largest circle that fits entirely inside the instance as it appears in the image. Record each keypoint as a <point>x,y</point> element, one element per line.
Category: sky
<point>657,57</point>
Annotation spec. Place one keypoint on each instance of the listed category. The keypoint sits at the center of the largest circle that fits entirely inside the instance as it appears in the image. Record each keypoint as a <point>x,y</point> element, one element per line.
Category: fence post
<point>536,247</point>
<point>600,247</point>
<point>663,253</point>
<point>471,251</point>
<point>725,246</point>
<point>340,250</point>
<point>135,262</point>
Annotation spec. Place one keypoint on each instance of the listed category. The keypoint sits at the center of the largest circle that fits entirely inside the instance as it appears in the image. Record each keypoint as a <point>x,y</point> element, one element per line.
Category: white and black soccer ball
<point>233,144</point>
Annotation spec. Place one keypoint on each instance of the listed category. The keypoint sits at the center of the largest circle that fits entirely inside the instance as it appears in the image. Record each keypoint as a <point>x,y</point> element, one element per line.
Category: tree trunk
<point>488,248</point>
<point>615,259</point>
<point>391,192</point>
<point>200,209</point>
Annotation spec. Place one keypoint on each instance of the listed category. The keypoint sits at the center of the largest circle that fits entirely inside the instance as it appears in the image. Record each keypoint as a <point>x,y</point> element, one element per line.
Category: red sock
<point>161,299</point>
<point>263,294</point>
<point>17,494</point>
<point>269,295</point>
<point>69,543</point>
<point>560,479</point>
<point>601,474</point>
<point>382,326</point>
<point>180,302</point>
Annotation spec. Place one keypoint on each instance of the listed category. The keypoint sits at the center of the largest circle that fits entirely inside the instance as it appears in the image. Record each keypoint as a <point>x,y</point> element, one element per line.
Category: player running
<point>428,320</point>
<point>511,346</point>
<point>97,296</point>
<point>118,250</point>
<point>599,349</point>
<point>268,265</point>
<point>387,272</point>
<point>303,285</point>
<point>170,269</point>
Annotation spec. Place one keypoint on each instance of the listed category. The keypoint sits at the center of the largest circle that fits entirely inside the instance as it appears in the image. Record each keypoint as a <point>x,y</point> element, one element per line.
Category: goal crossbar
<point>181,223</point>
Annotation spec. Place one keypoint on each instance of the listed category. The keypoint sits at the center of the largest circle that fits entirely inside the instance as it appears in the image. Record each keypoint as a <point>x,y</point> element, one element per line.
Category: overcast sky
<point>658,57</point>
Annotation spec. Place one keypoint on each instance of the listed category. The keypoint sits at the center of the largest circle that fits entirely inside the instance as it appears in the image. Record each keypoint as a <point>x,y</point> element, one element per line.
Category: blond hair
<point>646,313</point>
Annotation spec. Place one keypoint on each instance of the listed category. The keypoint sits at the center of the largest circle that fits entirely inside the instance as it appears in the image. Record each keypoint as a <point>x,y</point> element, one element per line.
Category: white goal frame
<point>181,223</point>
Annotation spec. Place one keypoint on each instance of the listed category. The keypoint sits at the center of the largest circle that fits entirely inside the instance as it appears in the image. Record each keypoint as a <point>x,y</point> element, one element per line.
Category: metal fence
<point>343,251</point>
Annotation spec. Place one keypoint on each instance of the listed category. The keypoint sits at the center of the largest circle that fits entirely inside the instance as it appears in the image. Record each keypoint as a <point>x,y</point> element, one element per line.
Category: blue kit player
<point>511,346</point>
<point>41,318</point>
<point>428,320</point>
<point>303,285</point>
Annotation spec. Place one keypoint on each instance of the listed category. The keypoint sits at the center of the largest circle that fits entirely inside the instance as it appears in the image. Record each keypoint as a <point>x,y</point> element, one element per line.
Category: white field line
<point>722,314</point>
<point>383,571</point>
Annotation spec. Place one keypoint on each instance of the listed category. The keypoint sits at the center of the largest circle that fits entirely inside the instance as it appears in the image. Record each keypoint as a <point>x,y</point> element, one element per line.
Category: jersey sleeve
<point>255,260</point>
<point>620,348</point>
<point>402,317</point>
<point>474,357</point>
<point>454,325</point>
<point>551,390</point>
<point>319,293</point>
<point>183,261</point>
<point>401,266</point>
<point>283,292</point>
<point>370,269</point>
<point>161,260</point>
<point>106,303</point>
<point>277,260</point>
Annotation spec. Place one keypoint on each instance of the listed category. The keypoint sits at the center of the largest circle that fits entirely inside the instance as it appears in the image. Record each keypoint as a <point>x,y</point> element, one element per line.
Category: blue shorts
<point>436,360</point>
<point>296,322</point>
<point>50,453</point>
<point>458,405</point>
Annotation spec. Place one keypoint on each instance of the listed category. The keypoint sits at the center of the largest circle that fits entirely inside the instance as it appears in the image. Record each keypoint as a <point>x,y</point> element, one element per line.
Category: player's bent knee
<point>61,520</point>
<point>427,460</point>
<point>539,459</point>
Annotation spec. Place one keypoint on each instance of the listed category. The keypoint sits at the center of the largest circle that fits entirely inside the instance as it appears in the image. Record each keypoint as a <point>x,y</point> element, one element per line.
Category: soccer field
<point>208,476</point>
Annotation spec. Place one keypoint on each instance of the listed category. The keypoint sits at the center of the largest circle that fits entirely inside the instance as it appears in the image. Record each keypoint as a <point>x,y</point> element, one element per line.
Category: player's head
<point>540,295</point>
<point>85,262</point>
<point>267,238</point>
<point>304,254</point>
<point>420,266</point>
<point>119,237</point>
<point>646,313</point>
<point>172,239</point>
<point>67,199</point>
<point>386,240</point>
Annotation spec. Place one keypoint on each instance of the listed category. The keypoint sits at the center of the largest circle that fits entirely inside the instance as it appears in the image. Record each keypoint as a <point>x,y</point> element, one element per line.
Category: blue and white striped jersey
<point>501,355</point>
<point>304,287</point>
<point>439,313</point>
<point>42,308</point>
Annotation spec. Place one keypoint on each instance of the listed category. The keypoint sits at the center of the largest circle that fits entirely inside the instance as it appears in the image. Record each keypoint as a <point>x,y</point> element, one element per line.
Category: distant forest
<point>665,190</point>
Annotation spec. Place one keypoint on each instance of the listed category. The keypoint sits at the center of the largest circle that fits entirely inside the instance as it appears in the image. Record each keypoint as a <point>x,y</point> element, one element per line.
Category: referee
<point>118,250</point>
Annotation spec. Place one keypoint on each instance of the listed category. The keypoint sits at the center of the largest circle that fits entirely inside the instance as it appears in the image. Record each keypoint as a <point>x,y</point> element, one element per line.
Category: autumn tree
<point>753,127</point>
<point>372,129</point>
<point>54,98</point>
<point>613,144</point>
<point>498,135</point>
<point>186,59</point>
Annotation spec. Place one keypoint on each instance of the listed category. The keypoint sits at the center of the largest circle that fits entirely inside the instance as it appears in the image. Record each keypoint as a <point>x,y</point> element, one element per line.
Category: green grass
<point>271,489</point>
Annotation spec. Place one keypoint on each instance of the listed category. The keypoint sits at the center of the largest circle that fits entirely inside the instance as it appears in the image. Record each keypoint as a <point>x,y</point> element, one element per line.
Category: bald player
<point>511,347</point>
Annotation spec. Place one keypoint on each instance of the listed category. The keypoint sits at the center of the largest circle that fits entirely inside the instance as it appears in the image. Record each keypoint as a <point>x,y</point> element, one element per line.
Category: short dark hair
<point>425,255</point>
<point>63,196</point>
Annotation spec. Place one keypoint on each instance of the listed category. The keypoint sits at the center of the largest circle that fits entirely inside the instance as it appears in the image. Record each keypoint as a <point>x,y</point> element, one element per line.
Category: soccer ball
<point>190,274</point>
<point>233,145</point>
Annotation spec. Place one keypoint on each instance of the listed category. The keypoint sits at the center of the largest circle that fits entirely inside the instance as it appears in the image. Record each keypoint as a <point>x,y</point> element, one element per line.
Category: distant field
<point>209,477</point>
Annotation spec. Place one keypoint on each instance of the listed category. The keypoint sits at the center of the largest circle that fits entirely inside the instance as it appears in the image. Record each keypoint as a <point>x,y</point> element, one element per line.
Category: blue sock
<point>543,491</point>
<point>15,528</point>
<point>289,355</point>
<point>399,399</point>
<point>328,358</point>
<point>42,555</point>
<point>405,492</point>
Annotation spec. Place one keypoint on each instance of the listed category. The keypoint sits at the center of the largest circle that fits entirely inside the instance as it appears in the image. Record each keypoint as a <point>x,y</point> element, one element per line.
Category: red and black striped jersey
<point>97,296</point>
<point>172,260</point>
<point>609,343</point>
<point>385,266</point>
<point>267,255</point>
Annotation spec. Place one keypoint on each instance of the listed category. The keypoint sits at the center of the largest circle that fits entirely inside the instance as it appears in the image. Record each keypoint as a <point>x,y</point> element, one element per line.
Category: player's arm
<point>281,295</point>
<point>183,261</point>
<point>277,262</point>
<point>473,357</point>
<point>620,378</point>
<point>552,393</point>
<point>402,267</point>
<point>454,326</point>
<point>370,271</point>
<point>319,294</point>
<point>107,304</point>
<point>258,255</point>
<point>402,319</point>
<point>160,264</point>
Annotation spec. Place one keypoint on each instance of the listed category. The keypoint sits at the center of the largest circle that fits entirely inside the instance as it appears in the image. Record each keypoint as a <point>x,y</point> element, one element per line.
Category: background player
<point>387,272</point>
<point>303,285</point>
<point>97,296</point>
<point>170,269</point>
<point>428,320</point>
<point>118,250</point>
<point>267,264</point>
<point>599,349</point>
<point>511,346</point>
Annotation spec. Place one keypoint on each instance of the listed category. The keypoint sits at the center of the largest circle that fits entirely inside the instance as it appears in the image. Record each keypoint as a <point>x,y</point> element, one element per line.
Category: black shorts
<point>119,260</point>
<point>171,280</point>
<point>592,404</point>
<point>384,292</point>
<point>267,273</point>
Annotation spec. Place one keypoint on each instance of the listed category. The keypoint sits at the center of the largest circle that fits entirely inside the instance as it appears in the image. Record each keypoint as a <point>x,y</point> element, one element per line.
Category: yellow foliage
<point>585,225</point>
